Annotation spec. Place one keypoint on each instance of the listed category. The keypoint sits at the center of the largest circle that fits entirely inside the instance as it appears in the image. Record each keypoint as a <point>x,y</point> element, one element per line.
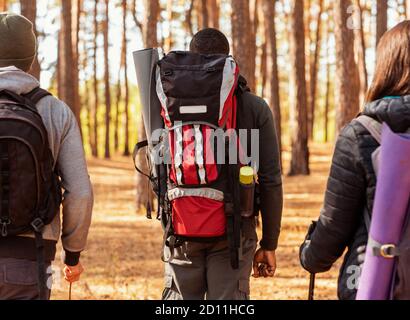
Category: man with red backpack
<point>210,245</point>
<point>41,152</point>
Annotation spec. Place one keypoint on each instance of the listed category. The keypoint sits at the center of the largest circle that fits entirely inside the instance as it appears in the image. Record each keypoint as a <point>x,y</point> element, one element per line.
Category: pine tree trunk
<point>86,101</point>
<point>269,9</point>
<point>127,115</point>
<point>77,9</point>
<point>361,54</point>
<point>59,58</point>
<point>188,18</point>
<point>126,86</point>
<point>117,110</point>
<point>382,7</point>
<point>264,68</point>
<point>407,4</point>
<point>298,100</point>
<point>4,5</point>
<point>327,95</point>
<point>214,13</point>
<point>95,82</point>
<point>254,23</point>
<point>308,45</point>
<point>205,14</point>
<point>242,40</point>
<point>67,93</point>
<point>314,72</point>
<point>87,104</point>
<point>120,72</point>
<point>169,40</point>
<point>327,103</point>
<point>29,10</point>
<point>107,153</point>
<point>198,13</point>
<point>347,77</point>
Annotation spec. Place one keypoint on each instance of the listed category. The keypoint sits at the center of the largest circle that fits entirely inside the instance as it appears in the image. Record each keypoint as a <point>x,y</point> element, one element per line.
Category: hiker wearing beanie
<point>28,238</point>
<point>19,44</point>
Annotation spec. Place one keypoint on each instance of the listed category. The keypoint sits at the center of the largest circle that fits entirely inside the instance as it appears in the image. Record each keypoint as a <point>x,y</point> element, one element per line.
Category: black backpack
<point>30,190</point>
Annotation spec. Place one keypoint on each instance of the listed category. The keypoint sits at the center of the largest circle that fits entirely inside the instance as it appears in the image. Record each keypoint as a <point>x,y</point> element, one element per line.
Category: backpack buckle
<point>38,225</point>
<point>386,251</point>
<point>4,223</point>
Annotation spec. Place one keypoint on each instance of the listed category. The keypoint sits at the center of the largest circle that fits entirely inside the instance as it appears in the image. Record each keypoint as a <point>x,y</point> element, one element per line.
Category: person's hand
<point>73,273</point>
<point>264,264</point>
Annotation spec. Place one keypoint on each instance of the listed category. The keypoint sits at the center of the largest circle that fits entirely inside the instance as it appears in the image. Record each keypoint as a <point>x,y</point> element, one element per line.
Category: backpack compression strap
<point>232,204</point>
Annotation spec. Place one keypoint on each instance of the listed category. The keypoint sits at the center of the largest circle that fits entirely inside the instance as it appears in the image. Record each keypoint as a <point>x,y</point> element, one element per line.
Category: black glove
<point>311,229</point>
<point>306,243</point>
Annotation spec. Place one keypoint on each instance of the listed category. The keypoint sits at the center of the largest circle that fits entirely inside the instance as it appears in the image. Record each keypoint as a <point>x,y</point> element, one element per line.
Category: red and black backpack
<point>198,194</point>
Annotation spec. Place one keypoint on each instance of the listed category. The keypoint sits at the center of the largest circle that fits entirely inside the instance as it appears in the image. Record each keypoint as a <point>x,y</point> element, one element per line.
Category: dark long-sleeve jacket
<point>350,189</point>
<point>254,113</point>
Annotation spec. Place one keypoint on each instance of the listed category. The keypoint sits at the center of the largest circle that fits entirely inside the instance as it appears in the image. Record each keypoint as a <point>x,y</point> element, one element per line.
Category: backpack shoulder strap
<point>12,96</point>
<point>36,95</point>
<point>373,126</point>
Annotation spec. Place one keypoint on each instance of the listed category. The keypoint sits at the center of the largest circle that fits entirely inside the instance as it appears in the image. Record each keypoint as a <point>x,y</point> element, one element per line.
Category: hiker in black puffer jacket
<point>352,182</point>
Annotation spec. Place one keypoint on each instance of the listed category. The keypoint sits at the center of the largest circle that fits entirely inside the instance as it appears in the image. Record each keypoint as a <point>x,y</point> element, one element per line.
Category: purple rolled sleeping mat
<point>389,215</point>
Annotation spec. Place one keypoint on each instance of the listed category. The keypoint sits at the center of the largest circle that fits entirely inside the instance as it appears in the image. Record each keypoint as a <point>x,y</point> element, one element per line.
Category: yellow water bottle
<point>247,193</point>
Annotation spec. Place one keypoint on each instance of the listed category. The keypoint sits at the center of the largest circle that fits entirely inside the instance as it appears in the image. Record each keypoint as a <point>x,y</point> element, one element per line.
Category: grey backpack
<point>401,284</point>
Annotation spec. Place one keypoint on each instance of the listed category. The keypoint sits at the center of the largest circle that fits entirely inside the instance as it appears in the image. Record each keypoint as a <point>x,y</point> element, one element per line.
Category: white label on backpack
<point>192,109</point>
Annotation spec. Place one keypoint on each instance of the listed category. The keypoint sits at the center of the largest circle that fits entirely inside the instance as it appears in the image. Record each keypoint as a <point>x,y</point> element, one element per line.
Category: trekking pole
<point>69,291</point>
<point>312,287</point>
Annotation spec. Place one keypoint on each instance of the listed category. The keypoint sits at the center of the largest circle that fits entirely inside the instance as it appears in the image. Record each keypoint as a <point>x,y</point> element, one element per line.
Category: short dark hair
<point>210,41</point>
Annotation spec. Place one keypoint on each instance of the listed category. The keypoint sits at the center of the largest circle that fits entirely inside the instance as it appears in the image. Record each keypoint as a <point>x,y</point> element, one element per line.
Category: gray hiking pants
<point>19,280</point>
<point>201,271</point>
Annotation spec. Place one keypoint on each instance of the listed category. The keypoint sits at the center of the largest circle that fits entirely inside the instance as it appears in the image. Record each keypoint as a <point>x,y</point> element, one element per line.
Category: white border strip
<point>208,193</point>
<point>228,81</point>
<point>178,154</point>
<point>199,153</point>
<point>193,109</point>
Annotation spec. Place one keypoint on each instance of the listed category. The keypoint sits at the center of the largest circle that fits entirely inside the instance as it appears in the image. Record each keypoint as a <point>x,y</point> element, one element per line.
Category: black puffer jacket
<point>351,187</point>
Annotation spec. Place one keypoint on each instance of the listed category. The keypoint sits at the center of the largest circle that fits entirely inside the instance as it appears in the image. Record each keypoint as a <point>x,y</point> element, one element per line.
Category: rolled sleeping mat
<point>145,66</point>
<point>389,215</point>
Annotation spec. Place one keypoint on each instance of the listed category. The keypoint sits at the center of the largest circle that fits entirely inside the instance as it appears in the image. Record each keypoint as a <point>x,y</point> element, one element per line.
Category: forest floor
<point>122,260</point>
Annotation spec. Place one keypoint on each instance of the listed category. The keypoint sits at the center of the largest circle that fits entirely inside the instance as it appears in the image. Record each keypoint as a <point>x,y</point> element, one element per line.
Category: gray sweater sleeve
<point>78,194</point>
<point>66,145</point>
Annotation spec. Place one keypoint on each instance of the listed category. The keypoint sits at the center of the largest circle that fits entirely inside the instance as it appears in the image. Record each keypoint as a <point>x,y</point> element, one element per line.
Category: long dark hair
<point>392,74</point>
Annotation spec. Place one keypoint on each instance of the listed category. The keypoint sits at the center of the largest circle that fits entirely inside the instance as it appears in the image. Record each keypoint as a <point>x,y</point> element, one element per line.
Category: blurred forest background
<point>312,61</point>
